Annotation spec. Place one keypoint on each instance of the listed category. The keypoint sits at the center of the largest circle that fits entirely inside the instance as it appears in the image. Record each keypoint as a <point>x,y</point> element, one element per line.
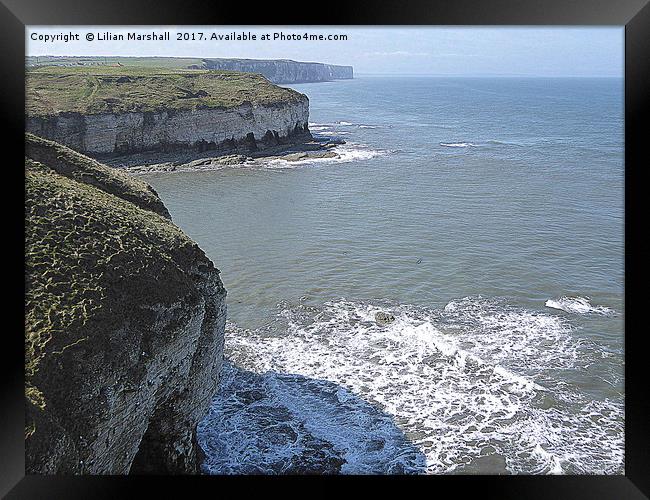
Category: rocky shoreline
<point>179,161</point>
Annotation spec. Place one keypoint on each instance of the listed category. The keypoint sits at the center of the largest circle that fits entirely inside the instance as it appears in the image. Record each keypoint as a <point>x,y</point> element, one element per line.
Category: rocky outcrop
<point>283,70</point>
<point>117,111</point>
<point>125,323</point>
<point>245,127</point>
<point>184,161</point>
<point>383,318</point>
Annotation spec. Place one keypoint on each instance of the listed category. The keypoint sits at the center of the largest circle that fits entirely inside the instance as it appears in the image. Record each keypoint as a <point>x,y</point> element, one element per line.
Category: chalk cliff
<point>283,70</point>
<point>106,110</point>
<point>125,321</point>
<point>276,70</point>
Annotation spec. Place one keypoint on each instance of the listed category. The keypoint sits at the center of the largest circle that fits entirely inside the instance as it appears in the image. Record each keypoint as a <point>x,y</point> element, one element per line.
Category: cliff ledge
<point>115,110</point>
<point>124,325</point>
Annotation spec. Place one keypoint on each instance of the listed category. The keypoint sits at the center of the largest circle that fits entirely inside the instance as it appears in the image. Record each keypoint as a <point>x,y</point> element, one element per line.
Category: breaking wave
<point>320,128</point>
<point>476,145</point>
<point>472,387</point>
<point>458,144</point>
<point>346,153</point>
<point>277,423</point>
<point>578,305</point>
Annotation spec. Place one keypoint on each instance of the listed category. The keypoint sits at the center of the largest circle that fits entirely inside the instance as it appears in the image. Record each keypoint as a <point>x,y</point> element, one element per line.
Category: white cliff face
<point>150,131</point>
<point>283,71</point>
<point>128,366</point>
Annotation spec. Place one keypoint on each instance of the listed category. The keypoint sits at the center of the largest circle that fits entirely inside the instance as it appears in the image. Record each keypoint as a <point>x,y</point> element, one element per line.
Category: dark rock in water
<point>220,160</point>
<point>324,154</point>
<point>309,155</point>
<point>301,148</point>
<point>383,318</point>
<point>232,160</point>
<point>124,323</point>
<point>295,156</point>
<point>199,164</point>
<point>276,434</point>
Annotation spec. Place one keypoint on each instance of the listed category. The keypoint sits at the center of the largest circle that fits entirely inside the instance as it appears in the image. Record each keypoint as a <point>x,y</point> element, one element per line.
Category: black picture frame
<point>634,15</point>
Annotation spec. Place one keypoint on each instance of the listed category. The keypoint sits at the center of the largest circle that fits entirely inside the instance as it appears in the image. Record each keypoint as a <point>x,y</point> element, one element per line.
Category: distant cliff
<point>124,323</point>
<point>118,110</point>
<point>282,70</point>
<point>276,70</point>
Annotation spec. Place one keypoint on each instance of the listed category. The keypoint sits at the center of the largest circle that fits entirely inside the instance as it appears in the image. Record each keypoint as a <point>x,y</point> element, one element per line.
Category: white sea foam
<point>475,145</point>
<point>578,305</point>
<point>458,144</point>
<point>460,383</point>
<point>347,153</point>
<point>320,127</point>
<point>283,423</point>
<point>331,133</point>
<point>351,152</point>
<point>516,337</point>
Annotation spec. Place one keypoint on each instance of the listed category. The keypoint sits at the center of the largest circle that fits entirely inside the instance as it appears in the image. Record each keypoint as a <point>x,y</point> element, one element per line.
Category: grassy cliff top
<point>151,61</point>
<point>81,168</point>
<point>51,90</point>
<point>95,252</point>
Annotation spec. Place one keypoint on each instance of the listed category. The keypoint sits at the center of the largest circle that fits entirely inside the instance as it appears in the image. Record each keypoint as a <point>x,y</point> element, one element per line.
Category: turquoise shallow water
<point>486,215</point>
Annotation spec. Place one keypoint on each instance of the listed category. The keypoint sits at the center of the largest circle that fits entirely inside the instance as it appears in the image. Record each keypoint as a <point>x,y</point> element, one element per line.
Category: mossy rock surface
<point>100,250</point>
<point>52,90</point>
<point>83,169</point>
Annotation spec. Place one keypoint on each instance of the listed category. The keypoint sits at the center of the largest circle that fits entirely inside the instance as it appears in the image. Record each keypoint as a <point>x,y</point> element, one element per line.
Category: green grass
<point>51,90</point>
<point>83,169</point>
<point>90,256</point>
<point>158,62</point>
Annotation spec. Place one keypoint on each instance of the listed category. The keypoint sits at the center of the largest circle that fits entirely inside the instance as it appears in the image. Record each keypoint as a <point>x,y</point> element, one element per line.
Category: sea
<point>485,217</point>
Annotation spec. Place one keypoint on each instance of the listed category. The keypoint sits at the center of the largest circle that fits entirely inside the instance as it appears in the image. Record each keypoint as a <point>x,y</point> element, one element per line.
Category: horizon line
<point>486,75</point>
<point>434,75</point>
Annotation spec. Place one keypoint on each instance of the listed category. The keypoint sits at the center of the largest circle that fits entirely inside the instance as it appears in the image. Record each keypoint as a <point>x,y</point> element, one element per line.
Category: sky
<point>442,51</point>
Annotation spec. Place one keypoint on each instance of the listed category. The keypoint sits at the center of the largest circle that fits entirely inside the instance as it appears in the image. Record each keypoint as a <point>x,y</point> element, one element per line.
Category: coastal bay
<point>433,285</point>
<point>486,217</point>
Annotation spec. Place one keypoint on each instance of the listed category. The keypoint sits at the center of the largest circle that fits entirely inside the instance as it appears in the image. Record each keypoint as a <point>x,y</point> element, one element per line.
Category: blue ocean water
<point>485,215</point>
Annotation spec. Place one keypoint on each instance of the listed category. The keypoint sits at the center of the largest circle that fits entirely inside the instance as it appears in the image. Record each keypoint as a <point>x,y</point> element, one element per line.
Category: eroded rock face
<point>125,321</point>
<point>249,125</point>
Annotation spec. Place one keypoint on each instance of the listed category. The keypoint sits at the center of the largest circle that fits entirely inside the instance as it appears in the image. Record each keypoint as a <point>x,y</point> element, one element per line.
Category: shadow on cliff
<point>277,423</point>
